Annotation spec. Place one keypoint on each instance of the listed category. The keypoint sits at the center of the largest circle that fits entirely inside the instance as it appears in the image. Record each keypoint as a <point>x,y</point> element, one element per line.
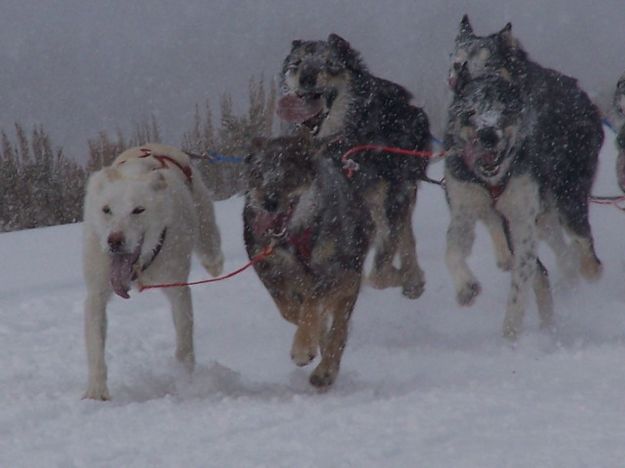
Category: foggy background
<point>81,66</point>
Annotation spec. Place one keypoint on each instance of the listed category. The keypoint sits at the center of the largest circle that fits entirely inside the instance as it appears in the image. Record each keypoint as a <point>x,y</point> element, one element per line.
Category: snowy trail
<point>423,383</point>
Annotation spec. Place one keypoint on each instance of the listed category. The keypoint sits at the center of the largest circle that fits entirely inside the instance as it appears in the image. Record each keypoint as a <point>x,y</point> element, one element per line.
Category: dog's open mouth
<point>489,165</point>
<point>485,163</point>
<point>123,271</point>
<point>272,224</point>
<point>304,109</point>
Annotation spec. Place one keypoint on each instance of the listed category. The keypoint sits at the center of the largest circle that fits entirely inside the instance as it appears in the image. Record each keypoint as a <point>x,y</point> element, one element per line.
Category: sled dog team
<point>521,148</point>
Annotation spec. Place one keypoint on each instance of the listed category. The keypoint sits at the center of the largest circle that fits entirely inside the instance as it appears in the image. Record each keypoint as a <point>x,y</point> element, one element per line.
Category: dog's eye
<point>293,65</point>
<point>106,209</point>
<point>138,210</point>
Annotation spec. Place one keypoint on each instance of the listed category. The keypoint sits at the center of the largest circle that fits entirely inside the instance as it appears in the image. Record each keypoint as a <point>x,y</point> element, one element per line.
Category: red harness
<point>495,191</point>
<point>164,160</point>
<point>302,243</point>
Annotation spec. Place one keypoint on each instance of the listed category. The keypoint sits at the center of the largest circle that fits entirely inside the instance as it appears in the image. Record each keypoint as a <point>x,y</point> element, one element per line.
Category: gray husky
<point>329,90</point>
<point>299,202</point>
<point>523,143</point>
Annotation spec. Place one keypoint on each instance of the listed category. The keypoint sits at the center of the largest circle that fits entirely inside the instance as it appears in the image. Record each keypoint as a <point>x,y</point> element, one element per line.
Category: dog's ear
<point>466,30</point>
<point>338,42</point>
<point>346,55</point>
<point>507,39</point>
<point>256,146</point>
<point>99,178</point>
<point>296,44</point>
<point>157,181</point>
<point>111,173</point>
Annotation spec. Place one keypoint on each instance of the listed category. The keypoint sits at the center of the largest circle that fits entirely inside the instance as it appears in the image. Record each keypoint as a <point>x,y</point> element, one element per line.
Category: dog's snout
<point>116,241</point>
<point>488,137</point>
<point>308,77</point>
<point>270,202</point>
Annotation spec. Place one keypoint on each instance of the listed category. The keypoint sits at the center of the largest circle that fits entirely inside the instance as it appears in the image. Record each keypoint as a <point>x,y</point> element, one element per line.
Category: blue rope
<point>215,157</point>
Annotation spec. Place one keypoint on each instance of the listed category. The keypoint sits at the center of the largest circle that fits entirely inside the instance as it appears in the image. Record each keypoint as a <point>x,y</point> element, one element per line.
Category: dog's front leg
<point>95,338</point>
<point>306,339</point>
<point>182,311</point>
<point>496,227</point>
<point>520,204</point>
<point>338,307</point>
<point>465,201</point>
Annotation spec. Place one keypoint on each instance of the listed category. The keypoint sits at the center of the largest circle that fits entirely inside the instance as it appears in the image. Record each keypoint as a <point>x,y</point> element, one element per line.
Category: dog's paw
<point>97,392</point>
<point>303,357</point>
<point>413,290</point>
<point>467,294</point>
<point>186,359</point>
<point>511,333</point>
<point>214,265</point>
<point>591,268</point>
<point>322,377</point>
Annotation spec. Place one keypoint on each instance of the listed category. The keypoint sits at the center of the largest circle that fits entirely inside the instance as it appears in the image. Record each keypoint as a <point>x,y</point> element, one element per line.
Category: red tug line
<point>350,167</point>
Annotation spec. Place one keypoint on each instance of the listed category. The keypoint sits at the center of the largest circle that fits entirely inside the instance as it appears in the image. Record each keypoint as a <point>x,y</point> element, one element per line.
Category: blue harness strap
<point>214,157</point>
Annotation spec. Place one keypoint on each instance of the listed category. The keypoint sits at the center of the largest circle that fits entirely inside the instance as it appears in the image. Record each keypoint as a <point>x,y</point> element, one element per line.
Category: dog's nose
<point>116,241</point>
<point>270,203</point>
<point>488,137</point>
<point>308,77</point>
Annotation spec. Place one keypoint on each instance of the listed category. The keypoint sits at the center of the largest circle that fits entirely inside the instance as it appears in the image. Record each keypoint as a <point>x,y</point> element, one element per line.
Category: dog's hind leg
<point>208,242</point>
<point>384,274</point>
<point>550,230</point>
<point>339,307</point>
<point>412,276</point>
<point>544,299</point>
<point>575,220</point>
<point>95,340</point>
<point>182,312</point>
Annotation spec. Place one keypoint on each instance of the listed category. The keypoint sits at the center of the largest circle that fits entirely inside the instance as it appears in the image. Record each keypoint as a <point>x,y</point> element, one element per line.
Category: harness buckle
<point>350,166</point>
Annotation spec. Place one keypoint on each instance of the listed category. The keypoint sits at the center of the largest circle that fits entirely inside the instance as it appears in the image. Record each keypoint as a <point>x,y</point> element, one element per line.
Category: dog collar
<point>155,251</point>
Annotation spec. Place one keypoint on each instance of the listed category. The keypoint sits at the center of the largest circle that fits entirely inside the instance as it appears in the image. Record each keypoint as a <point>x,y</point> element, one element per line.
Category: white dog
<point>143,217</point>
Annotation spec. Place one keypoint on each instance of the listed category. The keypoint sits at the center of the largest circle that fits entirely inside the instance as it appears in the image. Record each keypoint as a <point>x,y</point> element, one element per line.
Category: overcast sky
<point>81,66</point>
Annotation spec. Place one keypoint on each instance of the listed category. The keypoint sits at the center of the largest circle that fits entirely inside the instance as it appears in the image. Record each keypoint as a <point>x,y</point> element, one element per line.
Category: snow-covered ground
<point>423,383</point>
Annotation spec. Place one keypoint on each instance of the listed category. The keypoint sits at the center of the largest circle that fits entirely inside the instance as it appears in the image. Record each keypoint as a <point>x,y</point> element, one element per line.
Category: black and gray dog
<point>299,201</point>
<point>329,90</point>
<point>523,143</point>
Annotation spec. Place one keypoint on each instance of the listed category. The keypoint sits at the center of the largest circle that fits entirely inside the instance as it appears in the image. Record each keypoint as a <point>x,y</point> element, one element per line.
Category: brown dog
<point>299,202</point>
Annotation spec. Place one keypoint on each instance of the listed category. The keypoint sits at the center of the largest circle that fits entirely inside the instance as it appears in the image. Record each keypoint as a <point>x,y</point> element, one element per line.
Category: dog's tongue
<point>122,272</point>
<point>295,109</point>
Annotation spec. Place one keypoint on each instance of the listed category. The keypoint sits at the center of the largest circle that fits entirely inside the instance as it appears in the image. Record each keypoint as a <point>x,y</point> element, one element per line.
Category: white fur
<point>520,205</point>
<point>170,200</point>
<point>335,120</point>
